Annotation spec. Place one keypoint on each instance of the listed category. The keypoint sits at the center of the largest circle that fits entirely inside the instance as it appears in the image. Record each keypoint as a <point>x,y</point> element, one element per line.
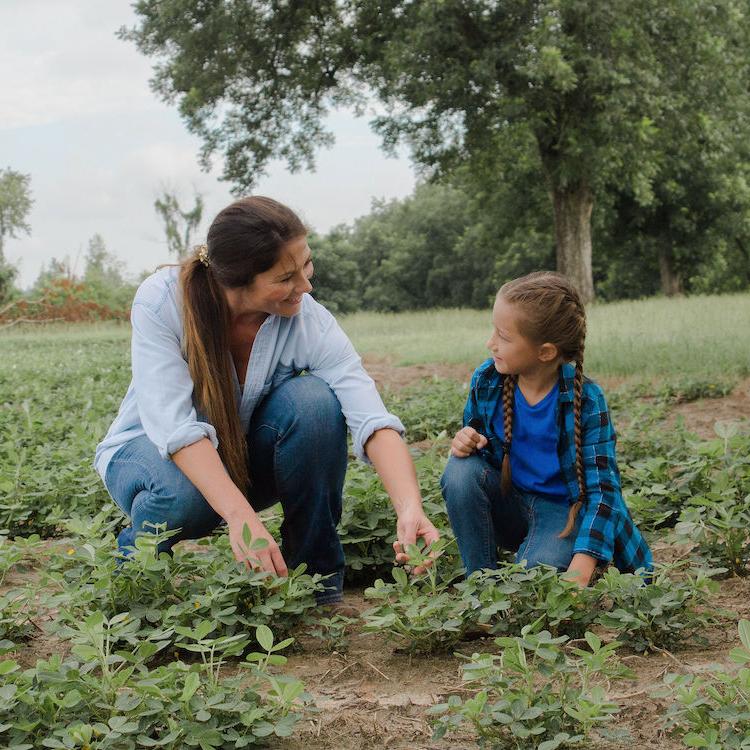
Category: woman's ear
<point>548,352</point>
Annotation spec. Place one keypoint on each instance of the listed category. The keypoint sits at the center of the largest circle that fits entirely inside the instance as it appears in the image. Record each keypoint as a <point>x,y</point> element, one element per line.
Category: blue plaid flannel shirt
<point>607,531</point>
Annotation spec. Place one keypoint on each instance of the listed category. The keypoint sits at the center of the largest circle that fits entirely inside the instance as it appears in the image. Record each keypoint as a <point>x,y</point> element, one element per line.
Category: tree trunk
<point>671,280</point>
<point>573,206</point>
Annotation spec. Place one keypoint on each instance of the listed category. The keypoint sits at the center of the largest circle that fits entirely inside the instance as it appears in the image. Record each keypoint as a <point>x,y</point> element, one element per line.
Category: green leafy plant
<point>663,611</point>
<point>713,710</point>
<point>429,409</point>
<point>692,389</point>
<point>424,614</point>
<point>533,693</point>
<point>105,697</point>
<point>511,596</point>
<point>332,632</point>
<point>167,592</point>
<point>719,528</point>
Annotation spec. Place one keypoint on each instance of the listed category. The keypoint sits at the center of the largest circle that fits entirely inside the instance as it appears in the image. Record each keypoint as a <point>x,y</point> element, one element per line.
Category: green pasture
<point>702,335</point>
<point>699,336</point>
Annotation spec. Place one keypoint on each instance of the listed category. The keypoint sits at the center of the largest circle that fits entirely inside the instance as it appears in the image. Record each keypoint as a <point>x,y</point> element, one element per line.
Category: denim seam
<point>532,526</point>
<point>488,530</point>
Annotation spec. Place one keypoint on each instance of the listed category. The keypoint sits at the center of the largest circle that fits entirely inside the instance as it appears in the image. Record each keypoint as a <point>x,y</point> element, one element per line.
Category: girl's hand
<point>267,557</point>
<point>466,442</point>
<point>581,569</point>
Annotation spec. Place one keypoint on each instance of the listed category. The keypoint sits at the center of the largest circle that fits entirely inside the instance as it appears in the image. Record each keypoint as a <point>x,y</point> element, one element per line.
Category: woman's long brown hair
<point>245,239</point>
<point>550,311</point>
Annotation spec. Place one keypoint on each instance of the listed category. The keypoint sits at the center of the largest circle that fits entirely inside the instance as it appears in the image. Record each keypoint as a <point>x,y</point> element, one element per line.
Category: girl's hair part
<point>244,240</point>
<point>550,311</point>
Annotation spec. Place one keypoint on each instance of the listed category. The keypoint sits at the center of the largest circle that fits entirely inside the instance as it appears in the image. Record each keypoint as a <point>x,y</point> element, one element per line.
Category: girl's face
<point>279,290</point>
<point>514,354</point>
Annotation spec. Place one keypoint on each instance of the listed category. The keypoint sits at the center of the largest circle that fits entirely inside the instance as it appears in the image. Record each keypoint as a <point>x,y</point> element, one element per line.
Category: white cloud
<point>62,59</point>
<point>76,113</point>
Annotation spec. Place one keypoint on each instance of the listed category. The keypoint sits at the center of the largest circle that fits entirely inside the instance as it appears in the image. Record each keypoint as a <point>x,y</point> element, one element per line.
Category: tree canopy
<point>597,88</point>
<point>15,204</point>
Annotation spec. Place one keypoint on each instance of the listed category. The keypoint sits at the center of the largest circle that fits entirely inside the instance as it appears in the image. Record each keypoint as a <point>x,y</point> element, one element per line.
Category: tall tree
<point>179,224</point>
<point>15,204</point>
<point>592,82</point>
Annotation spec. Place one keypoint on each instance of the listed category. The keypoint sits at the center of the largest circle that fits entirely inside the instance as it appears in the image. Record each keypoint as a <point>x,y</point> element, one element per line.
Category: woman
<point>218,422</point>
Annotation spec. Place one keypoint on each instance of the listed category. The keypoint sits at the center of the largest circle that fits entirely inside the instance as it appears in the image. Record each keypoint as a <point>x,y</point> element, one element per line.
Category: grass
<point>702,335</point>
<point>692,336</point>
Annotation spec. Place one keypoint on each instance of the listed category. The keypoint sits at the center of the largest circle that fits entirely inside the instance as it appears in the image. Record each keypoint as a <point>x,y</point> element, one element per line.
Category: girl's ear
<point>548,352</point>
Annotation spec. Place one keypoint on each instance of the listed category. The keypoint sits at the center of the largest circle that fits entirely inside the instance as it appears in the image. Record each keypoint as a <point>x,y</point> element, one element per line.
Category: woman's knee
<point>307,407</point>
<point>174,501</point>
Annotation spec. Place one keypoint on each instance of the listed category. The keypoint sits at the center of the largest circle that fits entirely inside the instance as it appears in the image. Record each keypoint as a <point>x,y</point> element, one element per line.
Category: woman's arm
<point>394,465</point>
<point>202,465</point>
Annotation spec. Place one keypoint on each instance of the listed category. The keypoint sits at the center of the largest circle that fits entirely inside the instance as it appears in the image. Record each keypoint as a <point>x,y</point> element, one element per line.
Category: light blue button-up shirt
<point>159,402</point>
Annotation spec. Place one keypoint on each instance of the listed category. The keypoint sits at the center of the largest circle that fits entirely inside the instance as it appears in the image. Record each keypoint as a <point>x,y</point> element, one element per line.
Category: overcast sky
<point>77,114</point>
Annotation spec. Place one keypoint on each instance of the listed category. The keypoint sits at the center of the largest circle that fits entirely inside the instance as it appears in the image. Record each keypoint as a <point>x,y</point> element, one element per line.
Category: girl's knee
<point>551,557</point>
<point>462,483</point>
<point>460,472</point>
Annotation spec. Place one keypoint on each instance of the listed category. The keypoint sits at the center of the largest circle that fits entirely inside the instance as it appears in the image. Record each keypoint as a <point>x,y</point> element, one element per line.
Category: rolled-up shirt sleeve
<point>163,386</point>
<point>335,360</point>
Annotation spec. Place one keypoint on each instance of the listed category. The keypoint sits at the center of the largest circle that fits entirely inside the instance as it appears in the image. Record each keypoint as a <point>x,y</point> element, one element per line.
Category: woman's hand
<point>201,464</point>
<point>268,558</point>
<point>467,441</point>
<point>409,528</point>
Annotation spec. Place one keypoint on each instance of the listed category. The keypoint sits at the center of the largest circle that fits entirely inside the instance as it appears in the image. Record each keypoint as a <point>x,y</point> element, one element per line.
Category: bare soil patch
<point>700,416</point>
<point>396,377</point>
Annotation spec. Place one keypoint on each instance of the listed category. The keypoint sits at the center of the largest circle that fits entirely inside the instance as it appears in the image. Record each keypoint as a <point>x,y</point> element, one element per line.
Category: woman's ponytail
<point>205,317</point>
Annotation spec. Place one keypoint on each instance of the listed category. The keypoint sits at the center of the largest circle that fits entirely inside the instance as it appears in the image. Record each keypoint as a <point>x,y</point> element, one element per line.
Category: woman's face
<point>279,290</point>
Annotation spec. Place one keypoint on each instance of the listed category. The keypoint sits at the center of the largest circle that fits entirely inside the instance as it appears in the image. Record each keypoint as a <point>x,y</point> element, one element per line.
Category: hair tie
<point>203,254</point>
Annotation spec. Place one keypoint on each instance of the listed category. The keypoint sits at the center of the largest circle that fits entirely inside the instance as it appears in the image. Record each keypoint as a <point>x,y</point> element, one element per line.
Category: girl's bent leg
<point>547,518</point>
<point>153,490</point>
<point>298,455</point>
<point>471,487</point>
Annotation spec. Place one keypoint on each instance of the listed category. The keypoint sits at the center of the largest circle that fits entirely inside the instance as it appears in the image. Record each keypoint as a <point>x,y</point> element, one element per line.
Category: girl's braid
<point>509,392</point>
<point>577,393</point>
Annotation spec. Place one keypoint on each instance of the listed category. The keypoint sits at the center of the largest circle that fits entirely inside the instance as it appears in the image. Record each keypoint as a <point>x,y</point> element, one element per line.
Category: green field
<point>694,336</point>
<point>149,655</point>
<point>656,337</point>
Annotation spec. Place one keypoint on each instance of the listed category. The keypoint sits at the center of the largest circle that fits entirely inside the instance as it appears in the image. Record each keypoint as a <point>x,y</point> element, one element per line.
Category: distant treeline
<point>449,246</point>
<point>452,245</point>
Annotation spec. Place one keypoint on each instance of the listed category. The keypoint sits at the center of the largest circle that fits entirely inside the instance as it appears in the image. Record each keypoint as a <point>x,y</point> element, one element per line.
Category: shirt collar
<point>566,379</point>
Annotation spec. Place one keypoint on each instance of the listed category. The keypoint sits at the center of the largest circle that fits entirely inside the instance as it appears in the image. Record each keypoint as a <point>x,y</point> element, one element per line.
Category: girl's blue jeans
<point>483,519</point>
<point>297,454</point>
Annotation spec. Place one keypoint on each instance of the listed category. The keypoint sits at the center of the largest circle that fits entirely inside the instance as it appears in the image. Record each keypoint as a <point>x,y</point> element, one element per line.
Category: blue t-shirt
<point>534,463</point>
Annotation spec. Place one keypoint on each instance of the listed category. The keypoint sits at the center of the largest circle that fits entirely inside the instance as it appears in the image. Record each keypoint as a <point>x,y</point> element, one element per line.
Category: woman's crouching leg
<point>299,434</point>
<point>153,491</point>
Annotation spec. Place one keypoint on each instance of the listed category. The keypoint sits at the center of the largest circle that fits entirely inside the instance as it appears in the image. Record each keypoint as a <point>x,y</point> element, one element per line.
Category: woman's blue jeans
<point>297,454</point>
<point>483,519</point>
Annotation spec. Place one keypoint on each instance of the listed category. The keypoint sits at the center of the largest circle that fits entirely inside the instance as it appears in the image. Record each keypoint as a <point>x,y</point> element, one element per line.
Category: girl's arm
<point>394,465</point>
<point>581,569</point>
<point>202,465</point>
<point>599,515</point>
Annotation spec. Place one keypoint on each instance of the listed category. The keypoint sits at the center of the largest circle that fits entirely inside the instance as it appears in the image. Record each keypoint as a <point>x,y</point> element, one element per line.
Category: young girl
<point>534,469</point>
